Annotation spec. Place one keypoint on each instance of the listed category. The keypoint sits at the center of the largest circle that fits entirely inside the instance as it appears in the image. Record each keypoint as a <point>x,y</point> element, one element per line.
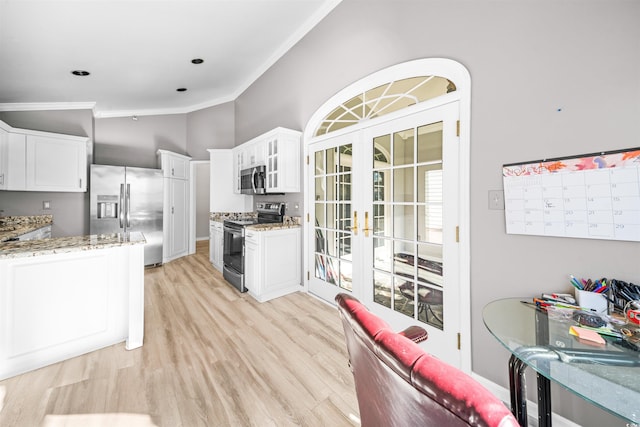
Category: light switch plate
<point>496,199</point>
<point>46,205</point>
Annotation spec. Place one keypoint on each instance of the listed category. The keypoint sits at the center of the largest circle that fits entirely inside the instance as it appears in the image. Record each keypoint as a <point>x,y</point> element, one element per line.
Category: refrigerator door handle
<point>128,205</point>
<point>121,210</point>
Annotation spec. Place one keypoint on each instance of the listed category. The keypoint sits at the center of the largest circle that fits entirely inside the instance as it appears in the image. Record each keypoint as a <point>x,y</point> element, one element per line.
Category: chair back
<point>400,384</point>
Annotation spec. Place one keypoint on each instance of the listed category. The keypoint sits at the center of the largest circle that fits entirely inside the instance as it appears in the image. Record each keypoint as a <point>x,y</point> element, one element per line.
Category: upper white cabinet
<point>279,151</point>
<point>223,196</point>
<point>175,224</point>
<point>42,161</point>
<point>56,164</point>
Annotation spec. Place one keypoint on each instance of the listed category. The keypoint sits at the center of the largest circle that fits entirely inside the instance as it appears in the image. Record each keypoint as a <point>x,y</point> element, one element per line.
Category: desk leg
<point>518,390</point>
<point>544,401</point>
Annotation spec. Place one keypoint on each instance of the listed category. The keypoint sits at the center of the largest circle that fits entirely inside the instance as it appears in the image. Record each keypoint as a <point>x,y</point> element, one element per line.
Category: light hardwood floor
<point>211,357</point>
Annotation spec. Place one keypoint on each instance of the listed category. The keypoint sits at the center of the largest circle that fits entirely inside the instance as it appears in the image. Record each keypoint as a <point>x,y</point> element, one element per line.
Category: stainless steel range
<point>233,254</point>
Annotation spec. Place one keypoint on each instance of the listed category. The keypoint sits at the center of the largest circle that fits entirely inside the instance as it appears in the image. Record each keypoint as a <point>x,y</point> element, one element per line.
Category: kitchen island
<point>63,297</point>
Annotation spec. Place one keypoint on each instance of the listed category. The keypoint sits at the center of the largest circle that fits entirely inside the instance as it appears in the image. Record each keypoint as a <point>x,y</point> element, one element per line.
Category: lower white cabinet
<point>216,244</point>
<point>272,262</point>
<point>176,219</point>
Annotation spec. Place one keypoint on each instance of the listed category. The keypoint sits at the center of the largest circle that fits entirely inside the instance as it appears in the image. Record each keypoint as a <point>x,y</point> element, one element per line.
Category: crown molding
<point>47,106</point>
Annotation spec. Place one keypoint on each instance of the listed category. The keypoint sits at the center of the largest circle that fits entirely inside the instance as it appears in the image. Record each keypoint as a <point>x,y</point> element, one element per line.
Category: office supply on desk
<point>587,335</point>
<point>543,343</point>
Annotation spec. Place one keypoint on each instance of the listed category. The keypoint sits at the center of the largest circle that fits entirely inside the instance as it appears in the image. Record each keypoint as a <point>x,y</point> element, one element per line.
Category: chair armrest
<point>415,334</point>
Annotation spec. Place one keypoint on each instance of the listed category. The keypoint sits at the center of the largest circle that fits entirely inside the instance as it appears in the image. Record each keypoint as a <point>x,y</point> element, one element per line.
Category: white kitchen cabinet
<point>42,161</point>
<point>223,196</point>
<point>175,221</point>
<point>173,165</point>
<point>272,262</point>
<point>56,163</point>
<point>216,244</point>
<point>283,161</point>
<point>279,151</point>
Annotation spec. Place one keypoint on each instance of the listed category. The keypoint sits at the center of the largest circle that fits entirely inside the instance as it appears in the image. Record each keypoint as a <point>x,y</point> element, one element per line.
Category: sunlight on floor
<point>98,420</point>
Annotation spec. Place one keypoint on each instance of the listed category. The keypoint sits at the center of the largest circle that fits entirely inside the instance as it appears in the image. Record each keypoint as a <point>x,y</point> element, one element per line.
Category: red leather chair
<point>399,384</point>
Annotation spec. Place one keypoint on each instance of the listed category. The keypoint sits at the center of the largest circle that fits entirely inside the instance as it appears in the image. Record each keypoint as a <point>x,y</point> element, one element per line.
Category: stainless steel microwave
<point>253,180</point>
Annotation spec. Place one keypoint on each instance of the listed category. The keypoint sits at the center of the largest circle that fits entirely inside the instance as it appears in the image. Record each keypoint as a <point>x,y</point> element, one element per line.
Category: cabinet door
<point>56,164</point>
<point>252,276</point>
<point>15,172</point>
<point>178,218</point>
<point>179,167</point>
<point>4,147</point>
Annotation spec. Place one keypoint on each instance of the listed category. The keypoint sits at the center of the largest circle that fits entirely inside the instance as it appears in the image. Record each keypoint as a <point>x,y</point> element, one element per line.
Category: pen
<point>575,282</point>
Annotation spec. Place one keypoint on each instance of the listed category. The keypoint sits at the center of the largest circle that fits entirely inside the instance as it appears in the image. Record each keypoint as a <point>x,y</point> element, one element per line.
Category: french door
<point>383,222</point>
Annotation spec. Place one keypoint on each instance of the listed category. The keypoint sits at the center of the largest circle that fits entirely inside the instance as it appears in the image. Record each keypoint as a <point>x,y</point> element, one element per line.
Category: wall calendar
<point>592,196</point>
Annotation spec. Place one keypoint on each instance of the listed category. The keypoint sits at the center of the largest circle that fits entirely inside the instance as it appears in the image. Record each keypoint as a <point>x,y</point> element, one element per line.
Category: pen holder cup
<point>591,301</point>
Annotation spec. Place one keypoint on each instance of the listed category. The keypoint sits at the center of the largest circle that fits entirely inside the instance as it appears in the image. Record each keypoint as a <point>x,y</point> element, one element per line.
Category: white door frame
<point>192,203</point>
<point>460,76</point>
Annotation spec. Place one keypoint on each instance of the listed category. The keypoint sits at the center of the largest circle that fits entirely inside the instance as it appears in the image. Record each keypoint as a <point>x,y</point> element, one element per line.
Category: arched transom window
<point>384,99</point>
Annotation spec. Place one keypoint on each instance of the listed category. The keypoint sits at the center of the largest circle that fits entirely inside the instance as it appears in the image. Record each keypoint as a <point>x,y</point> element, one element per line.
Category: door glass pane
<point>430,223</point>
<point>382,288</point>
<point>346,281</point>
<point>403,222</point>
<point>430,143</point>
<point>381,185</point>
<point>331,215</point>
<point>403,255</point>
<point>430,306</point>
<point>381,223</point>
<point>403,188</point>
<point>430,264</point>
<point>344,244</point>
<point>404,297</point>
<point>320,188</point>
<point>330,189</point>
<point>403,147</point>
<point>382,250</point>
<point>331,156</point>
<point>320,168</point>
<point>381,151</point>
<point>332,246</point>
<point>320,219</point>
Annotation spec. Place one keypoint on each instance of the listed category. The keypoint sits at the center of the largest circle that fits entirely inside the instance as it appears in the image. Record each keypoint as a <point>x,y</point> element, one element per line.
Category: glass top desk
<point>608,376</point>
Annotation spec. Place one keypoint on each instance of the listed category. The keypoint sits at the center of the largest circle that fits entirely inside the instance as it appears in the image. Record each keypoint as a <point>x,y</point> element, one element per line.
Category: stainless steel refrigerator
<point>126,199</point>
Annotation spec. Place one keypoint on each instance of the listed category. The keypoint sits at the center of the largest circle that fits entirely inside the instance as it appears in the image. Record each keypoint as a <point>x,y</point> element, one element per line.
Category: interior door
<point>410,258</point>
<point>333,239</point>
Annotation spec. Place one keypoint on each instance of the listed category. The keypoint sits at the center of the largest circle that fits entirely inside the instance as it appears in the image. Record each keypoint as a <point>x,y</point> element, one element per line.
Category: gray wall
<point>527,60</point>
<point>202,181</point>
<point>210,128</point>
<point>69,210</point>
<point>127,142</point>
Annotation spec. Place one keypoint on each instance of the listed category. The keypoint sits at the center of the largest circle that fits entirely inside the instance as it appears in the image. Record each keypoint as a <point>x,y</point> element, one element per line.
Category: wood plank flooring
<point>211,357</point>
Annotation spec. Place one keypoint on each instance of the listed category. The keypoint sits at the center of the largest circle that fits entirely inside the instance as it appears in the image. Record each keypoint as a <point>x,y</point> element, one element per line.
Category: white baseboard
<point>532,407</point>
<point>202,238</point>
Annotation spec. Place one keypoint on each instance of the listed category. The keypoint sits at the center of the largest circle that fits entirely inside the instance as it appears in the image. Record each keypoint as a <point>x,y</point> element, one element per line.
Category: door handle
<point>366,228</point>
<point>121,209</point>
<point>354,227</point>
<point>128,205</point>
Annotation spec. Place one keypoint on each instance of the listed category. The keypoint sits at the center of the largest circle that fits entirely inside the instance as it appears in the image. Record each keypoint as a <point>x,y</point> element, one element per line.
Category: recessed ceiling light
<point>80,73</point>
<point>182,89</point>
<point>197,61</point>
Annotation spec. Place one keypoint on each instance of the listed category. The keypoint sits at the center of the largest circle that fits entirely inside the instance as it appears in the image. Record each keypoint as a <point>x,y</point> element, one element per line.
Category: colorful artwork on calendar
<point>593,196</point>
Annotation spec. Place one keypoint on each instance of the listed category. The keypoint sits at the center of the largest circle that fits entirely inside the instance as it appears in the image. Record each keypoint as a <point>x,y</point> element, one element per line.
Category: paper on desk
<point>586,334</point>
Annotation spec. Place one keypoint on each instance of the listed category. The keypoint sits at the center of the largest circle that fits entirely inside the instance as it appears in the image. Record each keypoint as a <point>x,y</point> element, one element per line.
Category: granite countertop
<point>14,226</point>
<point>61,245</point>
<point>288,221</point>
<point>270,227</point>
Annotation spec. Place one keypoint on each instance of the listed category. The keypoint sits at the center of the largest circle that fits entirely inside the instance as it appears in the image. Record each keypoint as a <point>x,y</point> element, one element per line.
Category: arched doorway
<point>387,197</point>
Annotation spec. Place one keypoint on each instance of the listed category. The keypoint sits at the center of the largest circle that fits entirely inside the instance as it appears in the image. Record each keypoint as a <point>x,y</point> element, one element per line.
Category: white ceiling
<point>139,51</point>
